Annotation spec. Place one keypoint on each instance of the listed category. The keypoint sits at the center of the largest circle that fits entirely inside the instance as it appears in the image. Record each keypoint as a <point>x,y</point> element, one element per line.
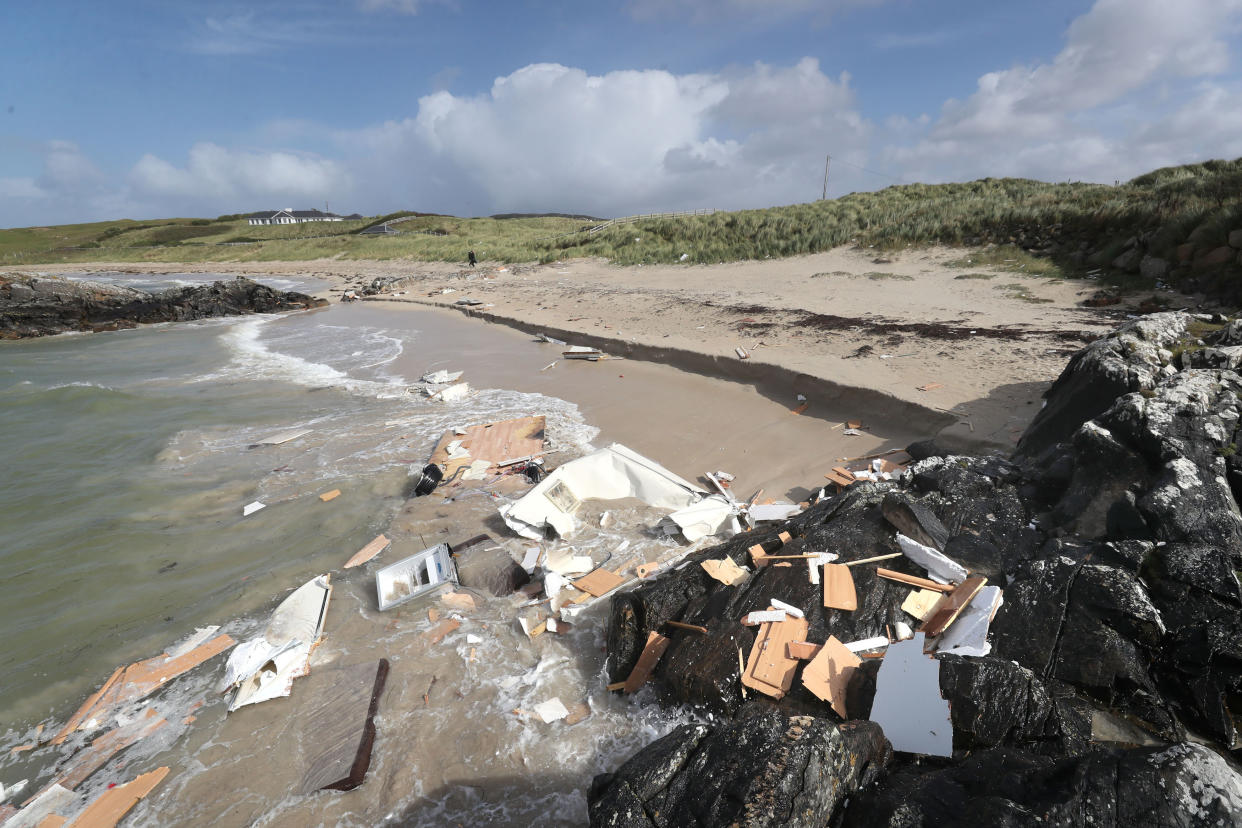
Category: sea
<point>126,459</point>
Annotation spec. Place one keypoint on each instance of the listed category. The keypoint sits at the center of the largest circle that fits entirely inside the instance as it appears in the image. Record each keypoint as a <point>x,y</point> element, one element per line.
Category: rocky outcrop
<point>1116,533</point>
<point>38,306</point>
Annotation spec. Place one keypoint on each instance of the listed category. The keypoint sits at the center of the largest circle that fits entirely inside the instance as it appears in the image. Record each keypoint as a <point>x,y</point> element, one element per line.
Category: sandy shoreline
<point>983,342</point>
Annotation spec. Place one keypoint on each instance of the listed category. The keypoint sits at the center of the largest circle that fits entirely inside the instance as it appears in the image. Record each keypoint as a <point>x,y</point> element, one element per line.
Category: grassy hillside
<point>1178,219</point>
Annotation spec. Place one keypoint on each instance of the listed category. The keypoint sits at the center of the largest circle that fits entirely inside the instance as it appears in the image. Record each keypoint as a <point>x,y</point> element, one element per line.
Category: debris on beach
<point>441,377</point>
<point>342,701</point>
<point>264,668</point>
<point>366,553</point>
<point>250,508</point>
<point>282,437</point>
<point>332,495</point>
<point>421,573</point>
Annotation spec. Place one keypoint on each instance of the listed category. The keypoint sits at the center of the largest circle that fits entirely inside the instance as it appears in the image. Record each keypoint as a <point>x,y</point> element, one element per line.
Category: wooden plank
<point>692,627</point>
<point>769,669</point>
<point>839,590</point>
<point>49,821</point>
<point>829,673</point>
<point>341,724</point>
<point>366,553</point>
<point>802,650</point>
<point>757,555</point>
<point>139,680</point>
<point>921,583</point>
<point>332,495</point>
<point>599,582</point>
<point>652,651</point>
<point>951,606</point>
<point>115,803</point>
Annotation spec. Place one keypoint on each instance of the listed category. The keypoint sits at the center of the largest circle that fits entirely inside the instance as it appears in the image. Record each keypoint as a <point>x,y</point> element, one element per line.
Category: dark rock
<point>994,701</point>
<point>923,449</point>
<point>1125,361</point>
<point>765,769</point>
<point>39,306</point>
<point>1180,785</point>
<point>915,521</point>
<point>483,564</point>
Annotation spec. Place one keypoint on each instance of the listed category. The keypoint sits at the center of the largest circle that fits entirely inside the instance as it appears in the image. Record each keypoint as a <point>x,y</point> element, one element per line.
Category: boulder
<point>1214,258</point>
<point>483,564</point>
<point>1129,260</point>
<point>1235,239</point>
<point>765,769</point>
<point>1152,267</point>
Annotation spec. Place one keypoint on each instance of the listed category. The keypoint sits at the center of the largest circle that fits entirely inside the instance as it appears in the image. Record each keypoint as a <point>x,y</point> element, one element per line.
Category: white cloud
<point>223,178</point>
<point>248,33</point>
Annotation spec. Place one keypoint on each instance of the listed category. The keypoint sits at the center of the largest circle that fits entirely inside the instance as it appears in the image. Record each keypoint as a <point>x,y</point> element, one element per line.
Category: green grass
<point>1197,203</point>
<point>975,276</point>
<point>876,276</point>
<point>1017,290</point>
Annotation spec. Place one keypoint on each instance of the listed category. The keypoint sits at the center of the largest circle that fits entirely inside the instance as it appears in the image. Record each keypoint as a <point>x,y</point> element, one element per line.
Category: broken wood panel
<point>912,580</point>
<point>494,442</point>
<point>437,633</point>
<point>802,650</point>
<point>49,821</point>
<point>839,590</point>
<point>114,803</point>
<point>341,725</point>
<point>332,495</point>
<point>920,603</point>
<point>652,651</point>
<point>769,669</point>
<point>951,606</point>
<point>103,748</point>
<point>725,571</point>
<point>139,680</point>
<point>829,673</point>
<point>366,553</point>
<point>599,582</point>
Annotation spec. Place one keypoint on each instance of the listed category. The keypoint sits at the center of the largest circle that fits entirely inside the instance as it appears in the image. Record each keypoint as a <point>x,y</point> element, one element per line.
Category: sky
<point>156,108</point>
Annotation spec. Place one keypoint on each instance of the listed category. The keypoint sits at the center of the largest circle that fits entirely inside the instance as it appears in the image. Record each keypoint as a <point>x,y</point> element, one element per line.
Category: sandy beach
<point>456,739</point>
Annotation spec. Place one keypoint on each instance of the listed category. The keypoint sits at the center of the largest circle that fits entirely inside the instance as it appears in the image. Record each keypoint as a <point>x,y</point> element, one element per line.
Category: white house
<point>291,216</point>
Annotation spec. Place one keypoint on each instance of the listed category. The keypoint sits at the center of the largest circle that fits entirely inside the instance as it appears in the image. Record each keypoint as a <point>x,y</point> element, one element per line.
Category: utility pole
<point>827,161</point>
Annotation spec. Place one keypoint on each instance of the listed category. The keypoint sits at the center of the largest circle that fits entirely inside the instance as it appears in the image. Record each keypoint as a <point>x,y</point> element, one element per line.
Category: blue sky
<point>143,109</point>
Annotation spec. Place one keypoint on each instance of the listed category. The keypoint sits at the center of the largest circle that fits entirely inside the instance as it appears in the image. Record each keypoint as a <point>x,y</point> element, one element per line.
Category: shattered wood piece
<point>599,582</point>
<point>115,803</point>
<point>829,673</point>
<point>436,635</point>
<point>920,603</point>
<point>853,424</point>
<point>800,409</point>
<point>789,608</point>
<point>839,592</point>
<point>343,702</point>
<point>791,557</point>
<point>578,712</point>
<point>615,686</point>
<point>461,601</point>
<point>433,615</point>
<point>552,710</point>
<point>757,555</point>
<point>332,495</point>
<point>802,650</point>
<point>873,559</point>
<point>941,567</point>
<point>908,704</point>
<point>725,571</point>
<point>785,537</point>
<point>366,553</point>
<point>951,606</point>
<point>769,669</point>
<point>931,386</point>
<point>103,748</point>
<point>137,681</point>
<point>682,626</point>
<point>912,580</point>
<point>647,660</point>
<point>758,617</point>
<point>644,570</point>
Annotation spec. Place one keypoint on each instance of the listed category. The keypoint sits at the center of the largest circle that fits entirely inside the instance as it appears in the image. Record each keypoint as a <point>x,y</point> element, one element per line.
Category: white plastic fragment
<point>789,608</point>
<point>902,631</point>
<point>873,643</point>
<point>774,511</point>
<point>471,638</point>
<point>908,704</point>
<point>765,617</point>
<point>55,799</point>
<point>551,710</point>
<point>251,508</point>
<point>441,377</point>
<point>551,624</point>
<point>940,567</point>
<point>968,635</point>
<point>531,560</point>
<point>814,564</point>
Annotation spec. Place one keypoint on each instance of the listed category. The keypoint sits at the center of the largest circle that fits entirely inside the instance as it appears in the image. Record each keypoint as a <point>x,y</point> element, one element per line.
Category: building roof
<point>294,213</point>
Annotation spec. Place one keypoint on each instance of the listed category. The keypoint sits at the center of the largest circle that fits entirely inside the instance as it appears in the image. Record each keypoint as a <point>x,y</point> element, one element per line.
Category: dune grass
<point>1198,203</point>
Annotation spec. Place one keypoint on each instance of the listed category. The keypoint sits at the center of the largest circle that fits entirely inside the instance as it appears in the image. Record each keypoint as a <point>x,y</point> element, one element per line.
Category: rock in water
<point>38,306</point>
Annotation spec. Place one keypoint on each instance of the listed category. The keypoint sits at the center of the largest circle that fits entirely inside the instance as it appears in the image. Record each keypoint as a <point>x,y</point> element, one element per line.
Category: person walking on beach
<point>473,260</point>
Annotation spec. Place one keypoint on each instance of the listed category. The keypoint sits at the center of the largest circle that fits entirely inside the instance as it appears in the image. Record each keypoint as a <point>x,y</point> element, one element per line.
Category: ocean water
<point>127,458</point>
